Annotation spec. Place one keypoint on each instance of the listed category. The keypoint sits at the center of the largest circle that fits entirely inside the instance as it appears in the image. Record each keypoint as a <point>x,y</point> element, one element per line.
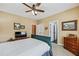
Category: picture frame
<point>22,27</point>
<point>69,25</point>
<point>17,26</point>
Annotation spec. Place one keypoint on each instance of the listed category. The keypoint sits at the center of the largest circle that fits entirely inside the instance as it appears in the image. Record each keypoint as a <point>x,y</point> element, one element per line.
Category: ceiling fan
<point>33,8</point>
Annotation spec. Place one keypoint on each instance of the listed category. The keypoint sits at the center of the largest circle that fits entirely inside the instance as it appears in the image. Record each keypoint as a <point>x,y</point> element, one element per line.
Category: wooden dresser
<point>72,44</point>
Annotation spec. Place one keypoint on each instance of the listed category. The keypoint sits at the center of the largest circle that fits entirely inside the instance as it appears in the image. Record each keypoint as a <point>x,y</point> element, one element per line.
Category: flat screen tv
<point>17,33</point>
<point>20,35</point>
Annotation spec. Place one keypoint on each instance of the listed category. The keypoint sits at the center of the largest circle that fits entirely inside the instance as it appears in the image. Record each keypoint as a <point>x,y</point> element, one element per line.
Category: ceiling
<point>50,9</point>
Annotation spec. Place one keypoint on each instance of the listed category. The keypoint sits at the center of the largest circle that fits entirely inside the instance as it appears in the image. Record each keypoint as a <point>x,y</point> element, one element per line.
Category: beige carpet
<point>60,51</point>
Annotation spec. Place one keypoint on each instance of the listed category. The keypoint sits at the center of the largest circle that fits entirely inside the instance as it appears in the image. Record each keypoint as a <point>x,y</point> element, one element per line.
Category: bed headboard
<point>42,38</point>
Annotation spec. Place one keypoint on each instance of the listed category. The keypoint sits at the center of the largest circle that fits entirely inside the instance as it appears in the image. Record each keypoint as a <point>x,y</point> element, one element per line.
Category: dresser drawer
<point>72,44</point>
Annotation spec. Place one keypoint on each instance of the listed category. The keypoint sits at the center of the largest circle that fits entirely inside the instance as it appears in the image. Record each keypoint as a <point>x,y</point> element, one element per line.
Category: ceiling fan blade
<point>28,10</point>
<point>39,10</point>
<point>38,4</point>
<point>27,5</point>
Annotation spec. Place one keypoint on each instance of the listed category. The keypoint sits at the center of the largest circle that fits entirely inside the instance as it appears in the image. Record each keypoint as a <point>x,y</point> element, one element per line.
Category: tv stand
<point>20,36</point>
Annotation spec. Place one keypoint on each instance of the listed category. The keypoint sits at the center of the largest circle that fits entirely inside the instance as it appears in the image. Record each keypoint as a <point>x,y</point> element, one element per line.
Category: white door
<point>53,31</point>
<point>40,29</point>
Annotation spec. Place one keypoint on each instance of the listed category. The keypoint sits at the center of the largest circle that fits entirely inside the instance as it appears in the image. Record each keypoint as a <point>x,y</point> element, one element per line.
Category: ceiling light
<point>33,12</point>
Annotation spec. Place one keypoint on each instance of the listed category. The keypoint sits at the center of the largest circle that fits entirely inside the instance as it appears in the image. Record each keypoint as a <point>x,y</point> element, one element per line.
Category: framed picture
<point>69,25</point>
<point>22,27</point>
<point>17,26</point>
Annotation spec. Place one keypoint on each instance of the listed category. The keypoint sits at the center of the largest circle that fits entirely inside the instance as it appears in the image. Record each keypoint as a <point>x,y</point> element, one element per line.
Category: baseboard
<point>60,44</point>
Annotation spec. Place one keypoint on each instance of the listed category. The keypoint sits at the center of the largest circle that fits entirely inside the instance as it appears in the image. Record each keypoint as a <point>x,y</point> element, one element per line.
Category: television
<point>20,35</point>
<point>17,33</point>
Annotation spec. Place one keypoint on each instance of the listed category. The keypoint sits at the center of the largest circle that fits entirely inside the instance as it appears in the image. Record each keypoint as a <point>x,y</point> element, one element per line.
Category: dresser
<point>72,44</point>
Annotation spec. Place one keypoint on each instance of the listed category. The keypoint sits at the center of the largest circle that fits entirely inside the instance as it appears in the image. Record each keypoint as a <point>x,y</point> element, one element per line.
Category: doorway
<point>53,31</point>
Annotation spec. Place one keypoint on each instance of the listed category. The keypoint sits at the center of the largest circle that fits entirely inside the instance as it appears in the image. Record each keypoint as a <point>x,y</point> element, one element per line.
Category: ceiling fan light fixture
<point>34,12</point>
<point>34,8</point>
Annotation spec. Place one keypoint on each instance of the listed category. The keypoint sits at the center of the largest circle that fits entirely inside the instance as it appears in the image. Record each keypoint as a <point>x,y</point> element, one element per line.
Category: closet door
<point>34,29</point>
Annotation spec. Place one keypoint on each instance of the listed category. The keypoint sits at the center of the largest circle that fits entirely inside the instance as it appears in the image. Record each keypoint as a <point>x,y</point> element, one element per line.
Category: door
<point>53,31</point>
<point>34,29</point>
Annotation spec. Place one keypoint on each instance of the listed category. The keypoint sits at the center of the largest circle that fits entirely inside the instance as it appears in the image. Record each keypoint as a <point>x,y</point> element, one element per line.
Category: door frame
<point>56,29</point>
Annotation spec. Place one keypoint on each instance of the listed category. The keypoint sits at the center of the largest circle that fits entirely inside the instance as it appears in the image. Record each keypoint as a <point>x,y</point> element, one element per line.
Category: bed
<point>25,47</point>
